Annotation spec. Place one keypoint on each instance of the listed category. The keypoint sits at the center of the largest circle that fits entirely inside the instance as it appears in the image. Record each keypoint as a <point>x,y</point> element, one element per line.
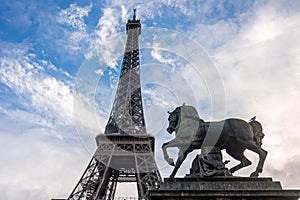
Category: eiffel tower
<point>125,152</point>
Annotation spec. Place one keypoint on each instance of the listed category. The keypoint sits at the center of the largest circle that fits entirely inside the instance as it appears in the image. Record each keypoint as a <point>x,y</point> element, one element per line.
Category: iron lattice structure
<point>127,115</point>
<point>125,152</point>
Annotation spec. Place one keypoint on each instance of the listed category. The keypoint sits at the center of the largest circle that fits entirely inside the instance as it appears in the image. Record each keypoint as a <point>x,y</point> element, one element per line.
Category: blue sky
<point>227,58</point>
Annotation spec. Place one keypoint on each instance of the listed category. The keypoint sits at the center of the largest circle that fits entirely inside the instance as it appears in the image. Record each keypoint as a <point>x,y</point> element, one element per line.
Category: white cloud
<point>99,72</point>
<point>39,92</point>
<point>73,17</point>
<point>109,23</point>
<point>105,41</point>
<point>157,54</point>
<point>213,35</point>
<point>41,151</point>
<point>260,71</point>
<point>47,100</point>
<point>40,169</point>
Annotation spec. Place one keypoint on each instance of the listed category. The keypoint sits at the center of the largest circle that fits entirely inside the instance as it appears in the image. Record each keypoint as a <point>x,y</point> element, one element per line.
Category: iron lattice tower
<point>125,152</point>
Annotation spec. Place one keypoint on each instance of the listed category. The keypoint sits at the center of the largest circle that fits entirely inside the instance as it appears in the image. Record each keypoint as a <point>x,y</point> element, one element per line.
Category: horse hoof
<point>170,161</point>
<point>254,175</point>
<point>171,177</point>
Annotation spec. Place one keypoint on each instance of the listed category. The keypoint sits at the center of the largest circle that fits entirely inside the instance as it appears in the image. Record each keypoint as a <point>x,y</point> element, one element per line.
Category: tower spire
<point>134,12</point>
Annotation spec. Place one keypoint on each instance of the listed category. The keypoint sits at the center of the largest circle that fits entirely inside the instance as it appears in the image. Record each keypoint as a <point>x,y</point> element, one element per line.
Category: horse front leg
<point>167,158</point>
<point>262,157</point>
<point>181,157</point>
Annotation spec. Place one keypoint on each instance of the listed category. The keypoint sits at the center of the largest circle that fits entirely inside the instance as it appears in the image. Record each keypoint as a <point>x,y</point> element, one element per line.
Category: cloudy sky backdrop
<point>59,68</point>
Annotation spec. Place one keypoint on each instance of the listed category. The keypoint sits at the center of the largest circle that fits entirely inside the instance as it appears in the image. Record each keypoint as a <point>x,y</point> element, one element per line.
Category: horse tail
<point>257,131</point>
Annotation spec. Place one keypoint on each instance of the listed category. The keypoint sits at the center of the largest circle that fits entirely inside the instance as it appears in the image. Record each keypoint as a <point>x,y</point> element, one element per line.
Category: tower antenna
<point>134,14</point>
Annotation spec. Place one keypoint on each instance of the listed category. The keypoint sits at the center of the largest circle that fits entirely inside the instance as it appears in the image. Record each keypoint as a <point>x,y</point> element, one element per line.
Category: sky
<point>60,64</point>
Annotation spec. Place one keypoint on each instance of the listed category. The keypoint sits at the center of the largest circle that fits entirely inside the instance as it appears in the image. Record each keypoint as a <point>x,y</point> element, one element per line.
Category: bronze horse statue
<point>233,135</point>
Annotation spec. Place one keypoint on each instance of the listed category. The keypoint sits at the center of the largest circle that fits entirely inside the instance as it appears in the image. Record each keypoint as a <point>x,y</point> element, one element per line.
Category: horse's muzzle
<point>170,130</point>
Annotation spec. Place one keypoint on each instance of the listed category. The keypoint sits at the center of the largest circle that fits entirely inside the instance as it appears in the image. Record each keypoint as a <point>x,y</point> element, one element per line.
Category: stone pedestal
<point>222,188</point>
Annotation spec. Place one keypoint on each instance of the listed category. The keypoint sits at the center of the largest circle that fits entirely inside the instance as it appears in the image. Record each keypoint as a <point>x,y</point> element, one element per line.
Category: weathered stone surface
<point>222,188</point>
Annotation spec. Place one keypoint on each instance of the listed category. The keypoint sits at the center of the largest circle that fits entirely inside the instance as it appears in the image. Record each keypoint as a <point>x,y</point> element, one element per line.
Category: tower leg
<point>119,158</point>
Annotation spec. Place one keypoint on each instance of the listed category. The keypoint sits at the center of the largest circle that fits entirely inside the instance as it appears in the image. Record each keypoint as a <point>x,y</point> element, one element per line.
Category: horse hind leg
<point>238,154</point>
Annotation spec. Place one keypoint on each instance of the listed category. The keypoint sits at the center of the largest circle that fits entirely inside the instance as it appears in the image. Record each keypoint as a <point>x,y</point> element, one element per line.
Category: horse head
<point>173,119</point>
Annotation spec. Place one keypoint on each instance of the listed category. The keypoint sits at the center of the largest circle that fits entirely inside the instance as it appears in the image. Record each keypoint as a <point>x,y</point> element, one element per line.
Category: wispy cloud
<point>38,91</point>
<point>32,161</point>
<point>73,18</point>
